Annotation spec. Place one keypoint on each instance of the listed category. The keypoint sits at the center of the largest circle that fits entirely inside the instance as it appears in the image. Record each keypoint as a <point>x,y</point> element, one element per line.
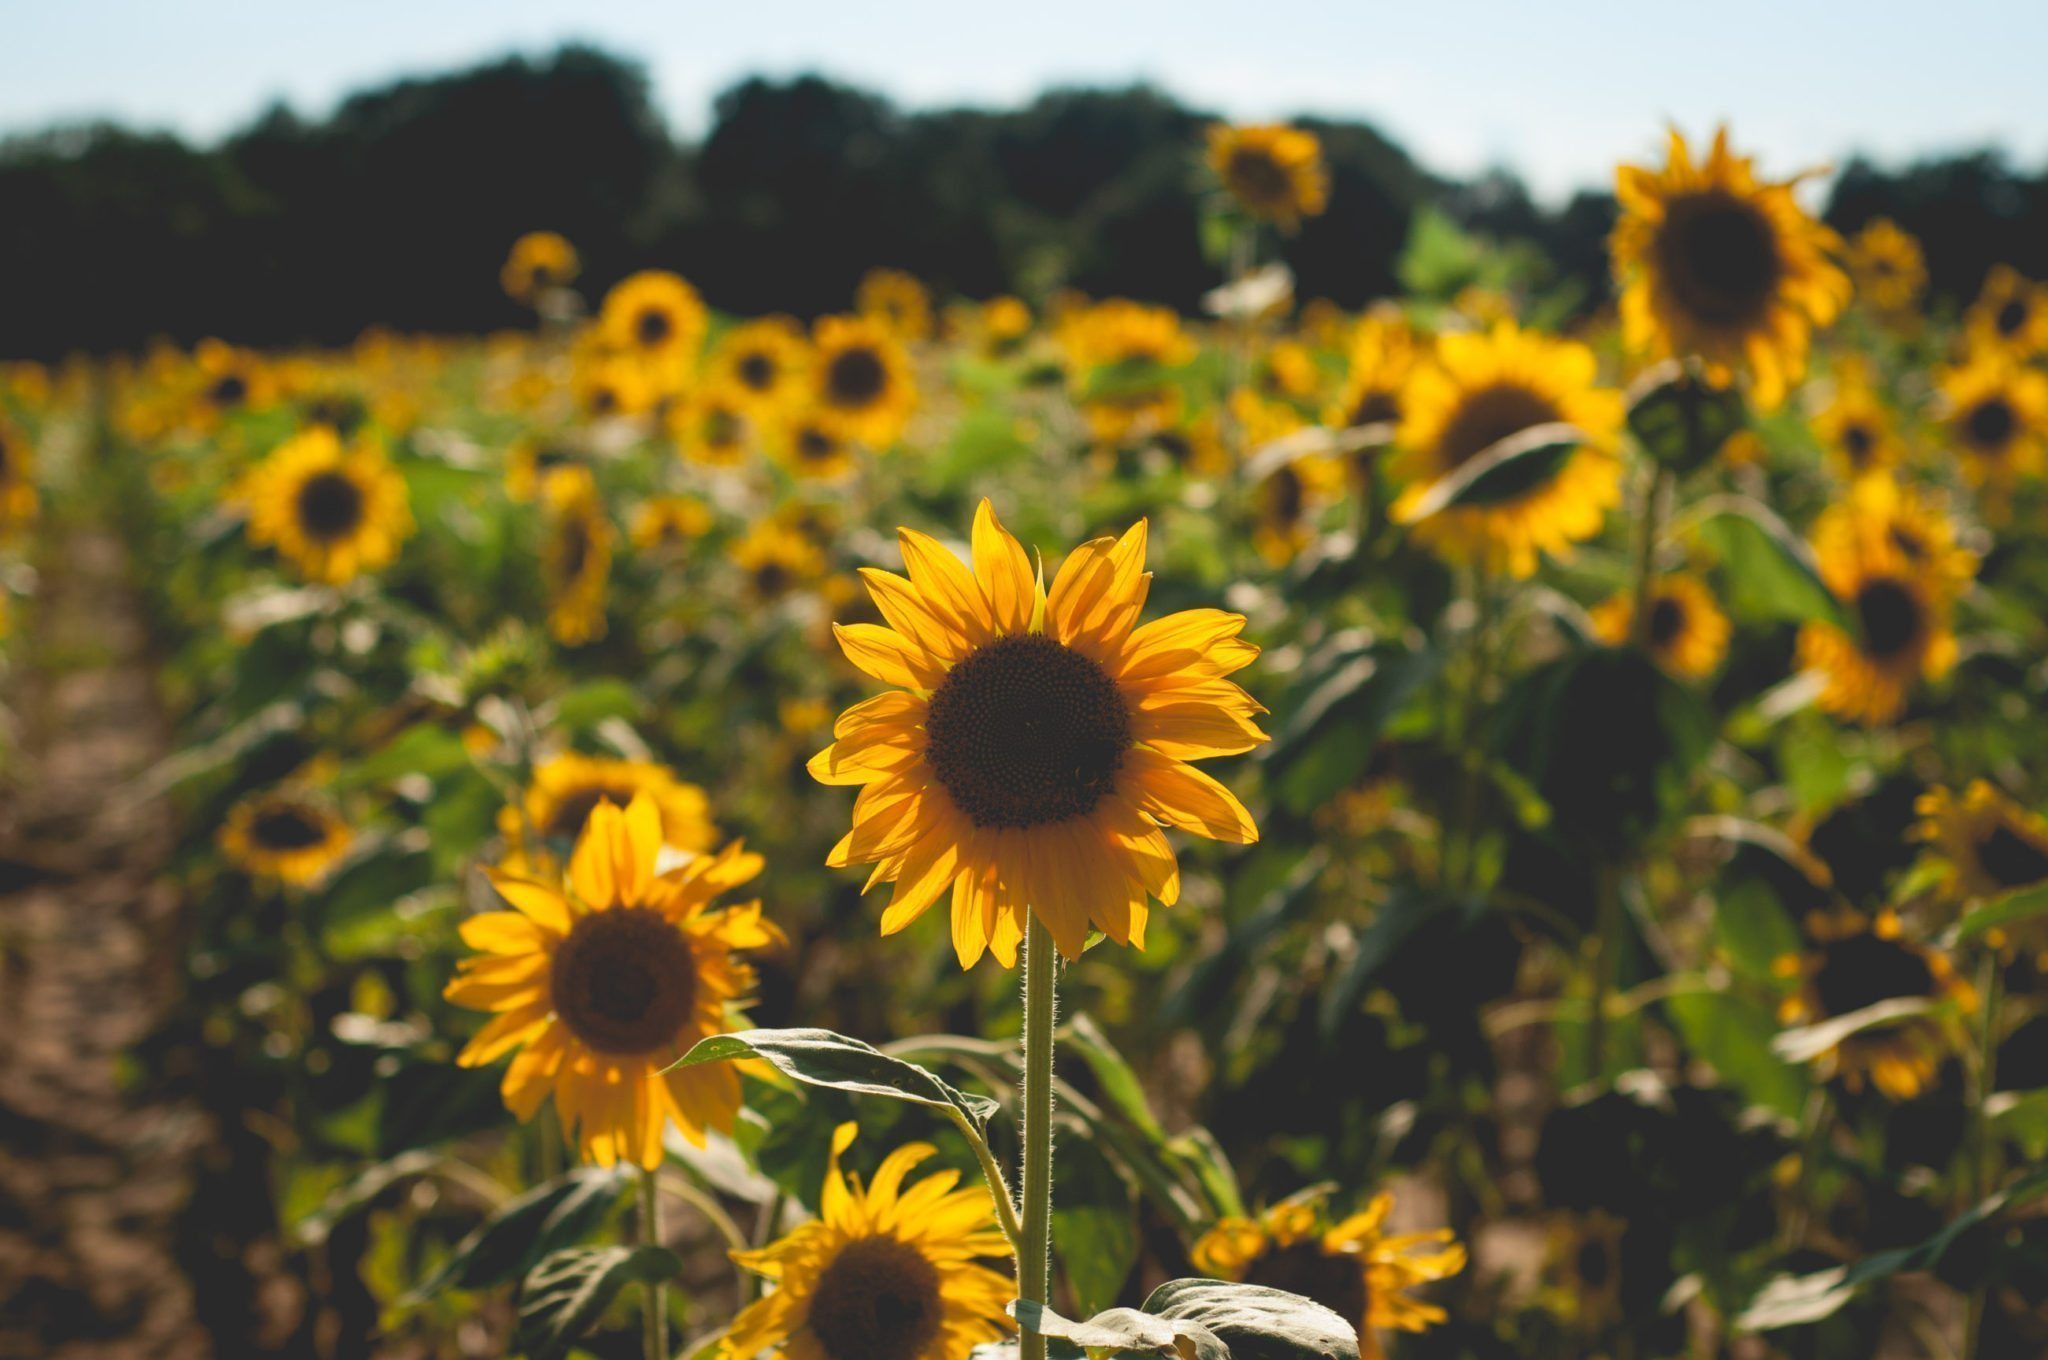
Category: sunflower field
<point>987,829</point>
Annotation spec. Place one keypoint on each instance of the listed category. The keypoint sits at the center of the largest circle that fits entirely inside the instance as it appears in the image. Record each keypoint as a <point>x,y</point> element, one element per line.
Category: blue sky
<point>1558,90</point>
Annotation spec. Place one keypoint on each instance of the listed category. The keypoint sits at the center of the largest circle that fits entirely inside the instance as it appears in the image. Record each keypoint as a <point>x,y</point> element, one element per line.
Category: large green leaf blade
<point>569,1290</point>
<point>822,1057</point>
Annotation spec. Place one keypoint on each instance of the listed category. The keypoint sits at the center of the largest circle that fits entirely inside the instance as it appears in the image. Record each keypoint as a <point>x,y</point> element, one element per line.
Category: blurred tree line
<point>395,209</point>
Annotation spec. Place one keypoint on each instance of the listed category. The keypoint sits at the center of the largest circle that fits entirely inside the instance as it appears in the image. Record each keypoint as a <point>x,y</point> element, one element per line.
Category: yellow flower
<point>567,788</point>
<point>1274,172</point>
<point>287,837</point>
<point>1857,431</point>
<point>664,521</point>
<point>1116,353</point>
<point>814,447</point>
<point>1715,263</point>
<point>605,383</point>
<point>230,380</point>
<point>861,379</point>
<point>1687,633</point>
<point>1353,1267</point>
<point>1988,844</point>
<point>1997,417</point>
<point>1853,962</point>
<point>1888,266</point>
<point>1036,743</point>
<point>1001,323</point>
<point>762,364</point>
<point>776,558</point>
<point>332,512</point>
<point>530,459</point>
<point>885,1272</point>
<point>1382,355</point>
<point>576,559</point>
<point>1287,502</point>
<point>656,317</point>
<point>713,426</point>
<point>539,261</point>
<point>2009,317</point>
<point>1478,390</point>
<point>898,301</point>
<point>1900,520</point>
<point>1897,589</point>
<point>604,980</point>
<point>18,498</point>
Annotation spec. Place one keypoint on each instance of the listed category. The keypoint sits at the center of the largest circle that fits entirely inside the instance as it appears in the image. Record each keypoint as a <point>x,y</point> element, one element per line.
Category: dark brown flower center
<point>2011,317</point>
<point>572,810</point>
<point>2010,859</point>
<point>757,371</point>
<point>287,828</point>
<point>330,505</point>
<point>1866,968</point>
<point>1258,178</point>
<point>1889,615</point>
<point>1282,497</point>
<point>1486,417</point>
<point>1719,257</point>
<point>1858,442</point>
<point>229,389</point>
<point>625,981</point>
<point>878,1300</point>
<point>1336,1282</point>
<point>1667,621</point>
<point>814,445</point>
<point>1025,731</point>
<point>653,326</point>
<point>1375,408</point>
<point>574,547</point>
<point>856,377</point>
<point>1990,423</point>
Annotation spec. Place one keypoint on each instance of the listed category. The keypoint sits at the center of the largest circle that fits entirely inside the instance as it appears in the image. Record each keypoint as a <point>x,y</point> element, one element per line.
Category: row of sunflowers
<point>1616,925</point>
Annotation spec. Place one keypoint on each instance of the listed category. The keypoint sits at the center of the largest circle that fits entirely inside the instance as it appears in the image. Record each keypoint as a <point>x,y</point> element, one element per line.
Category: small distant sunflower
<point>1716,263</point>
<point>665,521</point>
<point>1479,389</point>
<point>605,384</point>
<point>603,980</point>
<point>530,459</point>
<point>1853,962</point>
<point>1195,445</point>
<point>288,837</point>
<point>861,378</point>
<point>1289,501</point>
<point>230,380</point>
<point>539,261</point>
<point>762,364</point>
<point>1858,433</point>
<point>2009,317</point>
<point>1288,372</point>
<point>1888,266</point>
<point>18,498</point>
<point>1997,418</point>
<point>576,558</point>
<point>332,512</point>
<point>1989,845</point>
<point>898,301</point>
<point>1380,359</point>
<point>1687,633</point>
<point>655,316</point>
<point>776,558</point>
<point>567,788</point>
<point>714,426</point>
<point>1899,624</point>
<point>814,447</point>
<point>1274,172</point>
<point>884,1272</point>
<point>1001,324</point>
<point>1353,1267</point>
<point>1036,743</point>
<point>1117,355</point>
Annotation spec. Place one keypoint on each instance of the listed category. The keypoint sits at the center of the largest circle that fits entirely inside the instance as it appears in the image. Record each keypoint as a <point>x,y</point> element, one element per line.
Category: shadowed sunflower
<point>1036,742</point>
<point>762,364</point>
<point>1857,433</point>
<point>332,512</point>
<point>1853,962</point>
<point>861,379</point>
<point>1687,633</point>
<point>898,301</point>
<point>1715,263</point>
<point>1289,501</point>
<point>2009,317</point>
<point>18,498</point>
<point>1997,418</point>
<point>1898,608</point>
<point>568,788</point>
<point>1889,268</point>
<point>1353,1267</point>
<point>288,837</point>
<point>655,316</point>
<point>885,1272</point>
<point>538,262</point>
<point>576,558</point>
<point>604,980</point>
<point>230,380</point>
<point>1479,390</point>
<point>1987,843</point>
<point>1274,172</point>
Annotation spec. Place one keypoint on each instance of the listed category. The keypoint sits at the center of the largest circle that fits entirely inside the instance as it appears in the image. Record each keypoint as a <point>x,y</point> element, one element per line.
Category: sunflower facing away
<point>1274,172</point>
<point>1888,266</point>
<point>1988,844</point>
<point>887,1271</point>
<point>1036,743</point>
<point>861,379</point>
<point>333,512</point>
<point>1478,390</point>
<point>602,980</point>
<point>1997,419</point>
<point>1716,263</point>
<point>576,558</point>
<point>1687,633</point>
<point>568,788</point>
<point>287,837</point>
<point>1897,597</point>
<point>898,301</point>
<point>1853,962</point>
<point>762,364</point>
<point>1353,1267</point>
<point>539,261</point>
<point>2010,315</point>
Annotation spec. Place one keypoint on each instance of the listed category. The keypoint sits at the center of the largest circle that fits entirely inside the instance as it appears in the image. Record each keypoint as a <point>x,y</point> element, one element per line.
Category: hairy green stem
<point>654,1297</point>
<point>1034,1255</point>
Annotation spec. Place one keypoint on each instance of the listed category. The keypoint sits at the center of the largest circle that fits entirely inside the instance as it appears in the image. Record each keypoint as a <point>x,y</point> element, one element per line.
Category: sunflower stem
<point>1646,555</point>
<point>1034,1256</point>
<point>654,1300</point>
<point>1984,1159</point>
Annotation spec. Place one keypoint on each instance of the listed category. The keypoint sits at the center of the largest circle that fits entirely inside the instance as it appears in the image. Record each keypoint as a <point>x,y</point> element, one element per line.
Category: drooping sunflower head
<point>1036,742</point>
<point>898,301</point>
<point>537,262</point>
<point>603,978</point>
<point>332,511</point>
<point>1352,1266</point>
<point>568,788</point>
<point>654,315</point>
<point>2009,317</point>
<point>714,426</point>
<point>861,378</point>
<point>1889,268</point>
<point>763,364</point>
<point>1686,633</point>
<point>1715,263</point>
<point>1988,844</point>
<point>1852,962</point>
<point>1481,389</point>
<point>1275,172</point>
<point>576,556</point>
<point>287,837</point>
<point>1997,419</point>
<point>889,1270</point>
<point>1897,607</point>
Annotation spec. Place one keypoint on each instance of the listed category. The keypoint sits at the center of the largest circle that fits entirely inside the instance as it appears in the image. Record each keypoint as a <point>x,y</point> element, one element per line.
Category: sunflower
<point>230,380</point>
<point>1275,173</point>
<point>605,383</point>
<point>861,378</point>
<point>1117,354</point>
<point>1287,503</point>
<point>655,316</point>
<point>538,262</point>
<point>2009,317</point>
<point>576,559</point>
<point>1036,743</point>
<point>287,837</point>
<point>530,459</point>
<point>1353,1266</point>
<point>1479,389</point>
<point>1853,962</point>
<point>1857,431</point>
<point>604,980</point>
<point>666,521</point>
<point>713,426</point>
<point>762,364</point>
<point>567,788</point>
<point>1001,324</point>
<point>814,447</point>
<point>1888,266</point>
<point>776,557</point>
<point>1381,356</point>
<point>1687,634</point>
<point>883,1273</point>
<point>1897,518</point>
<point>898,301</point>
<point>1195,445</point>
<point>1715,263</point>
<point>1997,417</point>
<point>1898,607</point>
<point>1288,372</point>
<point>332,512</point>
<point>1987,843</point>
<point>18,498</point>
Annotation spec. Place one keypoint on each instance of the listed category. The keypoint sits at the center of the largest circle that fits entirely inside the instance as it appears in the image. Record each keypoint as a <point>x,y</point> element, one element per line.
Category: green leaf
<point>1326,740</point>
<point>2022,904</point>
<point>546,1219</point>
<point>1125,1331</point>
<point>1810,1041</point>
<point>1733,1035</point>
<point>1680,419</point>
<point>1119,1084</point>
<point>422,749</point>
<point>819,1057</point>
<point>1257,1323</point>
<point>1503,471</point>
<point>367,1184</point>
<point>1094,1231</point>
<point>567,1293</point>
<point>594,701</point>
<point>1769,571</point>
